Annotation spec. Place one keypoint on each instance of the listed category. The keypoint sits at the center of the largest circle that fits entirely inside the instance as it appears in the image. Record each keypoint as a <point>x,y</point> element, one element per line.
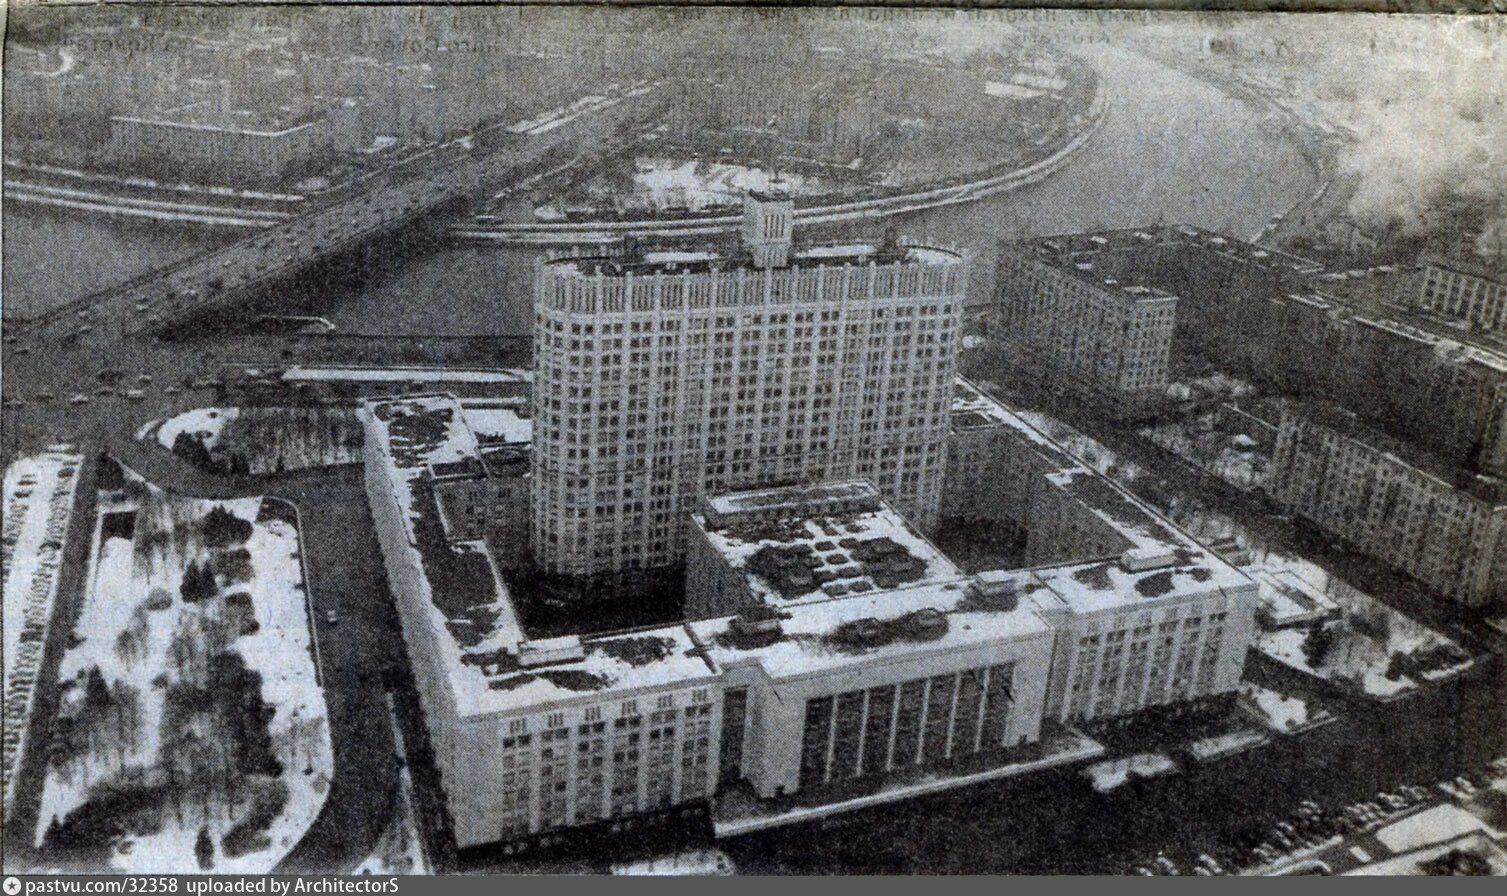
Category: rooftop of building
<point>1446,347</point>
<point>812,542</point>
<point>1471,267</point>
<point>1490,490</point>
<point>492,663</point>
<point>1166,560</point>
<point>207,115</point>
<point>820,635</point>
<point>915,601</point>
<point>1068,250</point>
<point>639,261</point>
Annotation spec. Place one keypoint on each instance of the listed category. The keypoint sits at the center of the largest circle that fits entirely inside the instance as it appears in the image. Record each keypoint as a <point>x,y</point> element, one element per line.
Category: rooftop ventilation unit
<point>542,651</point>
<point>1143,559</point>
<point>759,619</point>
<point>996,587</point>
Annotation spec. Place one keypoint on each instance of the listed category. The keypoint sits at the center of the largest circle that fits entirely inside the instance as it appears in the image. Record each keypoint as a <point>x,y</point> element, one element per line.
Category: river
<point>1171,149</point>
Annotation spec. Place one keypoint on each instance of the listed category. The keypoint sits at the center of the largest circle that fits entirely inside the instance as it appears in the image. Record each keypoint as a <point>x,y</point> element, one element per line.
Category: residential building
<point>1095,333</point>
<point>1394,502</point>
<point>205,140</point>
<point>664,375</point>
<point>1275,318</point>
<point>1463,291</point>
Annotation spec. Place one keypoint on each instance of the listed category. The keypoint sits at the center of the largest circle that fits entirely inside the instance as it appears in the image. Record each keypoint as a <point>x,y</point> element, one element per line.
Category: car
<point>145,379</point>
<point>14,403</point>
<point>104,391</point>
<point>172,390</point>
<point>135,395</point>
<point>330,618</point>
<point>44,396</point>
<point>78,398</point>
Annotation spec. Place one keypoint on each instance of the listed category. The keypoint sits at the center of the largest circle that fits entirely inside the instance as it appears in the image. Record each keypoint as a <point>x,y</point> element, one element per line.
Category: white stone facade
<point>654,387</point>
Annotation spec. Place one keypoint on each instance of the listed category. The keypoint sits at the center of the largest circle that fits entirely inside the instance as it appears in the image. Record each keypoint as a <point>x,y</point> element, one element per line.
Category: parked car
<point>78,398</point>
<point>330,618</point>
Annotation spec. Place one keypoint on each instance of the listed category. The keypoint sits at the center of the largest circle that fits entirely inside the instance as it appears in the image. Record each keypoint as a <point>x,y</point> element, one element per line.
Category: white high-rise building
<point>666,374</point>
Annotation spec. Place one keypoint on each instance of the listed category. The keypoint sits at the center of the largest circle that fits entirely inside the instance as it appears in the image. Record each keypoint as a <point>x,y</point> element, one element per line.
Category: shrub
<point>191,448</point>
<point>235,565</point>
<point>249,834</point>
<point>114,808</point>
<point>204,850</point>
<point>198,583</point>
<point>222,528</point>
<point>1317,645</point>
<point>240,614</point>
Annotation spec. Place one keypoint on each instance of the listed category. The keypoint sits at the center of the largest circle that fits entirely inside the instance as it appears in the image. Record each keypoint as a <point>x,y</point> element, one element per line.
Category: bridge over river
<point>229,278</point>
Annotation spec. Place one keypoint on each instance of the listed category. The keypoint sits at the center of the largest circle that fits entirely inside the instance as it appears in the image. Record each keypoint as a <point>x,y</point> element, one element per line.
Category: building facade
<point>1394,504</point>
<point>1099,335</point>
<point>1257,313</point>
<point>665,375</point>
<point>1463,292</point>
<point>851,665</point>
<point>214,145</point>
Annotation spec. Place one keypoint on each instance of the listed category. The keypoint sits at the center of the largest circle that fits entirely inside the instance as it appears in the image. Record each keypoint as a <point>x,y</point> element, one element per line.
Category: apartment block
<point>1394,503</point>
<point>1463,291</point>
<point>1266,315</point>
<point>1096,333</point>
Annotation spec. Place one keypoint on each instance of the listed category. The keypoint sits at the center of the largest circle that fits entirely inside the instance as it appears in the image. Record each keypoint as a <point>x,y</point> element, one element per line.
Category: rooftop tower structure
<point>768,225</point>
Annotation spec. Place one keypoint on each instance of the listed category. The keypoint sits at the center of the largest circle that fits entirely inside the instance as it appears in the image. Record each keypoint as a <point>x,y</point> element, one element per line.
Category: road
<point>226,277</point>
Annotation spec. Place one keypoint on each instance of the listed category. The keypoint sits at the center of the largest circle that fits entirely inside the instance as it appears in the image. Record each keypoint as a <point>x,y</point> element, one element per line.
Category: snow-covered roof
<point>817,542</point>
<point>469,606</point>
<point>700,259</point>
<point>933,617</point>
<point>505,420</point>
<point>1104,582</point>
<point>406,374</point>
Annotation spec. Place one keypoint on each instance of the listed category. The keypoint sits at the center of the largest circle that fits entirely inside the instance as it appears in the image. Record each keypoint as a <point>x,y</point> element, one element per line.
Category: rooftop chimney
<point>768,218</point>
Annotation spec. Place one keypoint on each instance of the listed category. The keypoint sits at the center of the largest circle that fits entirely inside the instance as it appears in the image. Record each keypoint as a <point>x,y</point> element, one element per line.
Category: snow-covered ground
<point>1207,748</point>
<point>207,423</point>
<point>1233,458</point>
<point>144,639</point>
<point>1112,773</point>
<point>1434,825</point>
<point>1281,712</point>
<point>270,439</point>
<point>398,850</point>
<point>39,493</point>
<point>663,183</point>
<point>692,863</point>
<point>1364,641</point>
